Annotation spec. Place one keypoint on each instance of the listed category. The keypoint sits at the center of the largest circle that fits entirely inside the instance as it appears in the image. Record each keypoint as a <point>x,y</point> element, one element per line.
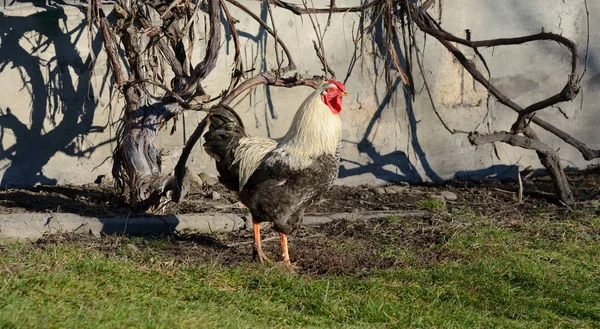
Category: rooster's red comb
<point>338,84</point>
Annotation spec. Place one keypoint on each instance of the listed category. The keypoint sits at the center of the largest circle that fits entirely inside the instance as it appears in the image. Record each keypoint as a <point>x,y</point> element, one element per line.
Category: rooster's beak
<point>344,93</point>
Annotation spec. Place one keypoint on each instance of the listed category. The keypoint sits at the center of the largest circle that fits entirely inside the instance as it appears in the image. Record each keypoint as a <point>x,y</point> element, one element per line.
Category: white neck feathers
<point>314,131</point>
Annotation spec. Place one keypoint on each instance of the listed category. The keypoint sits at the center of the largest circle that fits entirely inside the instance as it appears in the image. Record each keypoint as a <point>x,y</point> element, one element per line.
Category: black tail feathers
<point>225,117</point>
<point>222,138</point>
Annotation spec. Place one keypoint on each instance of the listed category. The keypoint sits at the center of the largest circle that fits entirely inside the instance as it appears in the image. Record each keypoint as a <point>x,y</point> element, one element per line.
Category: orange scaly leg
<point>257,245</point>
<point>284,250</point>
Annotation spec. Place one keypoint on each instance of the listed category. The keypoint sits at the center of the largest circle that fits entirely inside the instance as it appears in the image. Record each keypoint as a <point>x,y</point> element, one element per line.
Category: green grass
<point>542,273</point>
<point>432,203</point>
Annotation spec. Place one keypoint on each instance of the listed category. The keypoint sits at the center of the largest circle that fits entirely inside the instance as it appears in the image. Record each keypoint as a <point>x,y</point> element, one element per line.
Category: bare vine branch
<point>291,65</point>
<point>301,11</point>
<point>570,90</point>
<point>238,72</point>
<point>547,156</point>
<point>271,78</point>
<point>209,62</point>
<point>587,43</point>
<point>318,46</point>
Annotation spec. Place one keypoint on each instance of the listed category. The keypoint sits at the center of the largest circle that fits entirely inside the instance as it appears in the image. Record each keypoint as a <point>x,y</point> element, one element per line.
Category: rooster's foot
<point>259,255</point>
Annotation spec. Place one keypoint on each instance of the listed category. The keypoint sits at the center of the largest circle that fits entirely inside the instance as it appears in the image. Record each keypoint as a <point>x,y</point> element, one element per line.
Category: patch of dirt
<point>340,248</point>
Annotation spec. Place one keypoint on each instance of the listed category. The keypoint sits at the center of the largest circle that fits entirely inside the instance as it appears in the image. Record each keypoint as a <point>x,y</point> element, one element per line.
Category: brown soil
<point>343,247</point>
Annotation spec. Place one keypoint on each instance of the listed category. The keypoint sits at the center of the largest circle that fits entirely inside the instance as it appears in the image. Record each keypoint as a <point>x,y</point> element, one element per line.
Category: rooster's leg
<point>258,253</point>
<point>284,250</point>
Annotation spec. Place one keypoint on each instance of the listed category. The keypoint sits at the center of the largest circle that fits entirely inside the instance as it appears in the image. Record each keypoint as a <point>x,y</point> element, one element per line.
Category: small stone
<point>515,222</point>
<point>132,247</point>
<point>404,184</point>
<point>216,195</point>
<point>195,180</point>
<point>208,179</point>
<point>390,190</point>
<point>384,208</point>
<point>448,195</point>
<point>438,197</point>
<point>378,190</point>
<point>397,189</point>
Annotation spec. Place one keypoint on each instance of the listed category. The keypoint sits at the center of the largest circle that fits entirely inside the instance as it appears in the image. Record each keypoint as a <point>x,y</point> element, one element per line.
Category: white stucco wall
<point>57,121</point>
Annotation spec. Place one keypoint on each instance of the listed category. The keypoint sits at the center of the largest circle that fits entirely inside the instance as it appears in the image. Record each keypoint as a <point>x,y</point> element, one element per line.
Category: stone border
<point>33,226</point>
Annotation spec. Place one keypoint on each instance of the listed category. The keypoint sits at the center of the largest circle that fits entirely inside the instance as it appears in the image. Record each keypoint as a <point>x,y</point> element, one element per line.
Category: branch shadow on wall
<point>259,40</point>
<point>62,108</point>
<point>403,167</point>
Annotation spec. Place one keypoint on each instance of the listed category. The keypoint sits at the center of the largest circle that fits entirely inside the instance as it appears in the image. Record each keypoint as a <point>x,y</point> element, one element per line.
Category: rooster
<point>278,178</point>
